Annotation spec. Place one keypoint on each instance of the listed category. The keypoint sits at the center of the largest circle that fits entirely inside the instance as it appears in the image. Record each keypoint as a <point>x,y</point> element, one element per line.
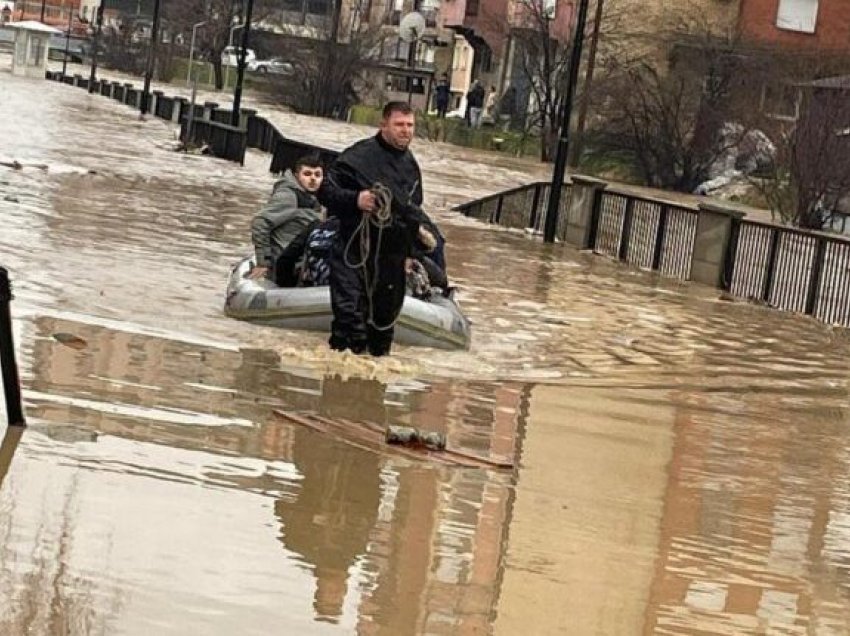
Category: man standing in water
<point>375,189</point>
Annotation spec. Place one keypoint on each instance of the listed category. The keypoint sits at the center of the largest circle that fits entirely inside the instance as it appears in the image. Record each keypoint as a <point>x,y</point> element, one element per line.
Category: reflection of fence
<point>783,267</point>
<point>209,124</point>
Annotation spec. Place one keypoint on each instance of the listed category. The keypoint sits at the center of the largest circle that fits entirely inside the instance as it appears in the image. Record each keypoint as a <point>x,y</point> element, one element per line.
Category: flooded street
<point>683,463</point>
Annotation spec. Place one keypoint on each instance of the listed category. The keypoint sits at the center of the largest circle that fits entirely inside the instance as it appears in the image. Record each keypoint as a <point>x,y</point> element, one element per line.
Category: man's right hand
<point>366,201</point>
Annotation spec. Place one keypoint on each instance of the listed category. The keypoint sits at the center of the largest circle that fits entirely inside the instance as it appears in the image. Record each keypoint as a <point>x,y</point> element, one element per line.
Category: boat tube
<point>436,322</point>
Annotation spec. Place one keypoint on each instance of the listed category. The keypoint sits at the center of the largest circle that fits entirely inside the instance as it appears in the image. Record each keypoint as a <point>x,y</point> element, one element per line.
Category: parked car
<point>230,56</point>
<point>274,65</point>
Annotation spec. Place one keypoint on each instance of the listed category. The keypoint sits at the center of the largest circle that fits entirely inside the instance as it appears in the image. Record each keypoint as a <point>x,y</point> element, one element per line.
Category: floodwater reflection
<point>185,490</point>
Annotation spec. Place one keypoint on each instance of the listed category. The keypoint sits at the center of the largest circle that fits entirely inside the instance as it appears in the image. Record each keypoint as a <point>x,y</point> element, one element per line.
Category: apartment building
<point>822,25</point>
<point>56,13</point>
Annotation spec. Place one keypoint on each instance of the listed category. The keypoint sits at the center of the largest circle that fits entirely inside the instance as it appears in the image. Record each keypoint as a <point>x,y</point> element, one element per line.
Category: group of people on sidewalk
<point>480,104</point>
<point>359,228</point>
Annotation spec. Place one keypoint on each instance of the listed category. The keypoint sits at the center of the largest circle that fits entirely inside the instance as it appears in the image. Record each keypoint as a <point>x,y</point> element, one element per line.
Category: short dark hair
<point>312,160</point>
<point>396,107</point>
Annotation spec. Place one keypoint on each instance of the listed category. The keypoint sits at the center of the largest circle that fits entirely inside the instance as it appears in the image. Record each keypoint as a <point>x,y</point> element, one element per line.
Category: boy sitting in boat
<point>291,211</point>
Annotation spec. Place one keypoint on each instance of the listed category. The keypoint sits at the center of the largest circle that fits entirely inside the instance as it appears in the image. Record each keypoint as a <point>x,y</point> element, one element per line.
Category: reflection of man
<point>330,522</point>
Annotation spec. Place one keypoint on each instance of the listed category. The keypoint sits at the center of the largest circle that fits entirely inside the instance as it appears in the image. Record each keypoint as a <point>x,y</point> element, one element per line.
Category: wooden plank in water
<point>371,436</point>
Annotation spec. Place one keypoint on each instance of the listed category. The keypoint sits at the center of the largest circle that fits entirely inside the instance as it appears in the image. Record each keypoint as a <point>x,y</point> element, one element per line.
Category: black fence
<point>639,231</point>
<point>779,266</point>
<point>794,270</point>
<point>222,140</point>
<point>211,126</point>
<point>524,206</point>
<point>287,151</point>
<point>645,233</point>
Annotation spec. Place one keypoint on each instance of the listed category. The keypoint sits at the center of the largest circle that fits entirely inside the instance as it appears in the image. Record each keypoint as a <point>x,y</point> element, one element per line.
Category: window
<point>781,101</point>
<point>405,84</point>
<point>797,15</point>
<point>36,51</point>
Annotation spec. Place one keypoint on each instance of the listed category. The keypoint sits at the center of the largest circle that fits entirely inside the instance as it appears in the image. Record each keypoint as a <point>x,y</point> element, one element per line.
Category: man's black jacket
<point>361,166</point>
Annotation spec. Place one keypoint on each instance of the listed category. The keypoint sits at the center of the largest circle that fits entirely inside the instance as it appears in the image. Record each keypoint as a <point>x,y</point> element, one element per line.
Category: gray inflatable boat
<point>436,323</point>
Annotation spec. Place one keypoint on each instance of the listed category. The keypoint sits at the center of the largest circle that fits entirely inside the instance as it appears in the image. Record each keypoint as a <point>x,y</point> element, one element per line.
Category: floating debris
<point>70,340</point>
<point>402,440</point>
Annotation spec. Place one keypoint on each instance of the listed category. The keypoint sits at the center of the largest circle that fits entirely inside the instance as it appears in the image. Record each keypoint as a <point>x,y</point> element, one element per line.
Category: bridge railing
<point>710,242</point>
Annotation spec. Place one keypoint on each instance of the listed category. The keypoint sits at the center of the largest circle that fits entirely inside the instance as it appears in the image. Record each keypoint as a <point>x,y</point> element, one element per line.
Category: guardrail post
<point>660,235</point>
<point>496,215</point>
<point>244,115</point>
<point>581,214</point>
<point>11,381</point>
<point>815,277</point>
<point>156,104</point>
<point>535,203</point>
<point>209,110</point>
<point>131,96</point>
<point>772,254</point>
<point>711,244</point>
<point>177,112</point>
<point>626,234</point>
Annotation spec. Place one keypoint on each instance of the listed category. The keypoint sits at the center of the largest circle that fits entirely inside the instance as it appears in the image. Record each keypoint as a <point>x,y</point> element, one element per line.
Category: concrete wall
<point>640,28</point>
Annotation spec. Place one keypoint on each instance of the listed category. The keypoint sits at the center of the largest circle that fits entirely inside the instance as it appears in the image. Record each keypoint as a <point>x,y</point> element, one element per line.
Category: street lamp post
<point>230,47</point>
<point>96,45</point>
<point>146,90</point>
<point>563,150</point>
<point>195,28</point>
<point>240,73</point>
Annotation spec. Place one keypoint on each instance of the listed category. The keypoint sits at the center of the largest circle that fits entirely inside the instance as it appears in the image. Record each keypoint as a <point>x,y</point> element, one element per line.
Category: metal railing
<point>223,140</point>
<point>524,206</point>
<point>782,267</point>
<point>642,232</point>
<point>645,233</point>
<point>211,125</point>
<point>794,270</point>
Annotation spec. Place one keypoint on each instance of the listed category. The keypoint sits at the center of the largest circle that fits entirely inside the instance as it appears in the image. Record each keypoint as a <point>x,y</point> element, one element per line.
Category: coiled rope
<point>380,218</point>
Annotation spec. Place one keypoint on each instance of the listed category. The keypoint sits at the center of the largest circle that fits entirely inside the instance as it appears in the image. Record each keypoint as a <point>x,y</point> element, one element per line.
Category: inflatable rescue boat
<point>437,322</point>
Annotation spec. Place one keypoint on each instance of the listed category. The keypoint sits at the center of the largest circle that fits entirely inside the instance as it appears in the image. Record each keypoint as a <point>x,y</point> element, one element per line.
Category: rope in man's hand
<point>380,217</point>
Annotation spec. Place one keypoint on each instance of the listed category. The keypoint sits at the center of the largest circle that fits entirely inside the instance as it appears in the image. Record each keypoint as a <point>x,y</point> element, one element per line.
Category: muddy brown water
<point>682,462</point>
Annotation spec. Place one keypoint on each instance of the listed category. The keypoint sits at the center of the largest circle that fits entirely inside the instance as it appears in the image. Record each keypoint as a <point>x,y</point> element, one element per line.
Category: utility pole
<point>43,2</point>
<point>146,91</point>
<point>575,155</point>
<point>321,99</point>
<point>240,72</point>
<point>563,151</point>
<point>96,45</point>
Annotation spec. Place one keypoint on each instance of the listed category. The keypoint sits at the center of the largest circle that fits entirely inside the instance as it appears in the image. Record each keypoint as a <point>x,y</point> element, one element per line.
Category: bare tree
<point>330,71</point>
<point>544,63</point>
<point>670,118</point>
<point>541,34</point>
<point>220,17</point>
<point>811,172</point>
